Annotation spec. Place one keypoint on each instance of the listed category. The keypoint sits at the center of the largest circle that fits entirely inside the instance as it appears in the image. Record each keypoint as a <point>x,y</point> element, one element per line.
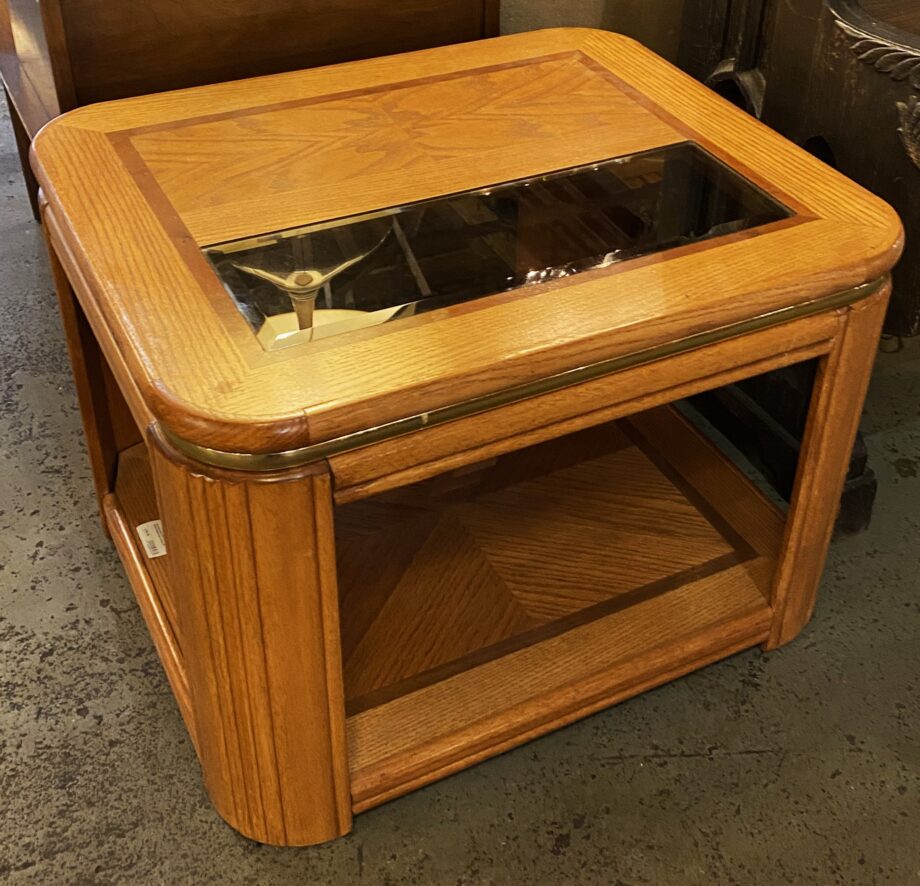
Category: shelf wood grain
<point>425,735</point>
<point>476,563</point>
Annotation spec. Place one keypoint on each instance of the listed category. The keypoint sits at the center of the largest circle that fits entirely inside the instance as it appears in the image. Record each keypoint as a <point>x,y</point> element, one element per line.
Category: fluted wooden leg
<point>253,568</point>
<point>837,403</point>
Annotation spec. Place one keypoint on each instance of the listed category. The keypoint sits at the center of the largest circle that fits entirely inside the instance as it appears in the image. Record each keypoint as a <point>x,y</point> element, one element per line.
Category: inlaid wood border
<point>232,320</point>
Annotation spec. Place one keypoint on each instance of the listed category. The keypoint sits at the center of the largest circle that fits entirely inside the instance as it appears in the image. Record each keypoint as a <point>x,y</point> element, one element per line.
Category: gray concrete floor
<point>798,767</point>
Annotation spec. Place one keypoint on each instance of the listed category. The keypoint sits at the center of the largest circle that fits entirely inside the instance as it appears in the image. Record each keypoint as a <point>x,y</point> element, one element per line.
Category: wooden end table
<point>387,350</point>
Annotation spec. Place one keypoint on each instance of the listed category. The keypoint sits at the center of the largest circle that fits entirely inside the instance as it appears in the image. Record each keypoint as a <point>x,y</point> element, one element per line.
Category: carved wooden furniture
<point>824,73</point>
<point>55,56</point>
<point>722,43</point>
<point>448,508</point>
<point>837,70</point>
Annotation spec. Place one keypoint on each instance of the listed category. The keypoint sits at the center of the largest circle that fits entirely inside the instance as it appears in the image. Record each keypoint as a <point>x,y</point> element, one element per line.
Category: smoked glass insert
<point>308,283</point>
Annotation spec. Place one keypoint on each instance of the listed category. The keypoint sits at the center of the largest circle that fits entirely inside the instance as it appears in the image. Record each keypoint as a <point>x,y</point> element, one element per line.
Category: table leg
<point>108,426</point>
<point>836,408</point>
<point>252,559</point>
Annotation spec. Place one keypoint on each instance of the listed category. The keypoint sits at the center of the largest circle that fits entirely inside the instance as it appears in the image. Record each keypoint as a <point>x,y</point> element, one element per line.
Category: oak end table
<point>378,367</point>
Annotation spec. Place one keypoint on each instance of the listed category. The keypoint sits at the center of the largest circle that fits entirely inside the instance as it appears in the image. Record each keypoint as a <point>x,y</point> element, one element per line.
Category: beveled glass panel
<point>308,283</point>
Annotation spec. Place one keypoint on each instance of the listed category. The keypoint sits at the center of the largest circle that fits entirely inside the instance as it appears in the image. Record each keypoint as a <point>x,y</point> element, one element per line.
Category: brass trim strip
<point>279,461</point>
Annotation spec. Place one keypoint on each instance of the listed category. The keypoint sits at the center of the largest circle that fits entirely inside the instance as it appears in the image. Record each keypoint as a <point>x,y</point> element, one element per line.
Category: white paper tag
<point>152,538</point>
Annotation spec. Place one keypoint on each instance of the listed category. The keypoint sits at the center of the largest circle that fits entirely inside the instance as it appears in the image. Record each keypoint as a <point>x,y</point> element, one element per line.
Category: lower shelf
<point>485,607</point>
<point>447,726</point>
<point>482,609</point>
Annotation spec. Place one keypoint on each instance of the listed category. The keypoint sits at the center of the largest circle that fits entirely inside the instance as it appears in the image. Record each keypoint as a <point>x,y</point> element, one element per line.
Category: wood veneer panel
<point>145,46</point>
<point>25,63</point>
<point>670,439</point>
<point>138,505</point>
<point>346,155</point>
<point>150,591</point>
<point>439,577</point>
<point>427,734</point>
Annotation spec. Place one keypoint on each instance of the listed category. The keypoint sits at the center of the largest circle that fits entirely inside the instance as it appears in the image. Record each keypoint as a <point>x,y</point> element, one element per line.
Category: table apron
<point>416,456</point>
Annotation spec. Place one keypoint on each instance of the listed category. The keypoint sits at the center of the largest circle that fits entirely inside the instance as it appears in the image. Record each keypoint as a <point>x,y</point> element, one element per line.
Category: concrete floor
<point>798,767</point>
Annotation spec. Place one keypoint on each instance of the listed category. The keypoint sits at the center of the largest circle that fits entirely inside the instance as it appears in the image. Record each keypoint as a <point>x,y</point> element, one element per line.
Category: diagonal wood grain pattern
<point>305,159</point>
<point>445,569</point>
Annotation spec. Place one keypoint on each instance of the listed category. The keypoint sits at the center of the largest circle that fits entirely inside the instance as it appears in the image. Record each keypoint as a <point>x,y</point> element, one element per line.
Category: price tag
<point>152,538</point>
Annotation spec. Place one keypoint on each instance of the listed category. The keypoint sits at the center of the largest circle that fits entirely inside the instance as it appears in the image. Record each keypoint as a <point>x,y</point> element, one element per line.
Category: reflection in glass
<point>308,283</point>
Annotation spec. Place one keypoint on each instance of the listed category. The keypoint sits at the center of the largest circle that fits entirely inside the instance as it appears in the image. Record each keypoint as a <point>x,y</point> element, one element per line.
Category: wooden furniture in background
<point>56,56</point>
<point>837,70</point>
<point>824,73</point>
<point>900,13</point>
<point>758,54</point>
<point>395,552</point>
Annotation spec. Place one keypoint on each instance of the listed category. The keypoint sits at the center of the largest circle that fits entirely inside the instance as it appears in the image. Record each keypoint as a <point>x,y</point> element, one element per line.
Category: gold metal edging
<point>278,461</point>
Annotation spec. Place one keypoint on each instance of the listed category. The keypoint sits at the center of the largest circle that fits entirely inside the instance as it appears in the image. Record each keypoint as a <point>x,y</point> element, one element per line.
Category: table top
<point>513,209</point>
<point>309,283</point>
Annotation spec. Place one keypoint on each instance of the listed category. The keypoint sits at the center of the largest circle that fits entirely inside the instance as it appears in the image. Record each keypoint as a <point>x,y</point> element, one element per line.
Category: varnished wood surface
<point>254,567</point>
<point>137,505</point>
<point>520,543</point>
<point>476,563</point>
<point>114,54</point>
<point>123,510</point>
<point>73,284</point>
<point>371,470</point>
<point>514,607</point>
<point>474,702</point>
<point>109,427</point>
<point>339,155</point>
<point>149,596</point>
<point>450,725</point>
<point>715,486</point>
<point>25,65</point>
<point>681,549</point>
<point>56,56</point>
<point>136,173</point>
<point>89,369</point>
<point>840,389</point>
